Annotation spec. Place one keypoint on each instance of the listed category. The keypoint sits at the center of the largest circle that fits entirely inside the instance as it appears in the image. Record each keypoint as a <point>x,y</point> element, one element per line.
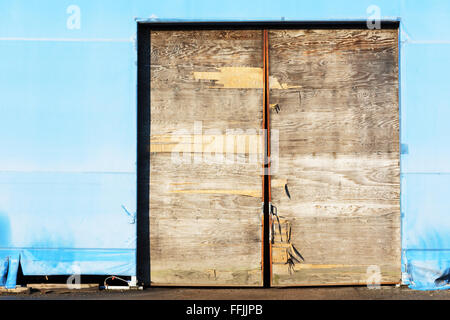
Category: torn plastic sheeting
<point>13,267</point>
<point>428,270</point>
<point>83,261</point>
<point>9,265</point>
<point>4,262</point>
<point>65,262</point>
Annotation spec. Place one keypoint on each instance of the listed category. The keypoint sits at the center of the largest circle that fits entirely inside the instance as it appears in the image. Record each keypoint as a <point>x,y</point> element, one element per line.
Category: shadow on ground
<point>323,293</point>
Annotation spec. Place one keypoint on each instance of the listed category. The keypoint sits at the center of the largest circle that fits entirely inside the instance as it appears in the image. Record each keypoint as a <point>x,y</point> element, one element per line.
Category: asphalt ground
<point>172,293</point>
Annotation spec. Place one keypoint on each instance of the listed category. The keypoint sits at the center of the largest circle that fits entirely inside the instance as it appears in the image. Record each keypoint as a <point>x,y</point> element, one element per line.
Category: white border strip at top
<point>66,39</point>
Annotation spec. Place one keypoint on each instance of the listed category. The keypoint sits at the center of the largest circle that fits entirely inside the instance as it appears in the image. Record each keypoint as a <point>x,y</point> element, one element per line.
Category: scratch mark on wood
<point>287,191</point>
<point>323,266</point>
<point>275,84</point>
<point>249,193</point>
<point>231,144</point>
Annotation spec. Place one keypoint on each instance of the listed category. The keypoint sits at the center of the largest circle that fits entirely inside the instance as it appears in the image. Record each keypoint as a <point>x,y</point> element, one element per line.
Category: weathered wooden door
<point>205,169</point>
<point>334,127</point>
<point>336,182</point>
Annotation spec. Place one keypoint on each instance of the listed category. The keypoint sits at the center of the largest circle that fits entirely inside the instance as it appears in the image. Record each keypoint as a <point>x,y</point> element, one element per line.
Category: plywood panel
<point>338,153</point>
<point>205,211</point>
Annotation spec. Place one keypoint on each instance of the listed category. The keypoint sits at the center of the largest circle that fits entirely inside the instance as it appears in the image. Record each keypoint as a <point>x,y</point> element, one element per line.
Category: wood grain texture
<point>338,151</point>
<point>205,213</point>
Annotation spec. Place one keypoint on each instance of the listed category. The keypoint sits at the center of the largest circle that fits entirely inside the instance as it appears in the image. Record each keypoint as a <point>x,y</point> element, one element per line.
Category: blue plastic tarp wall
<point>68,127</point>
<point>67,140</point>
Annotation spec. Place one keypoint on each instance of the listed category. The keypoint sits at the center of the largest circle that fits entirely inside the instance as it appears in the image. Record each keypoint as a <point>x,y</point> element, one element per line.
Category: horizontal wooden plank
<point>201,143</point>
<point>332,276</point>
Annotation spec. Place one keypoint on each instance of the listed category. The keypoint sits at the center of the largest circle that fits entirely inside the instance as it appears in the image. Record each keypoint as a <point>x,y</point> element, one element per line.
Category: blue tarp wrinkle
<point>4,262</point>
<point>13,267</point>
<point>428,275</point>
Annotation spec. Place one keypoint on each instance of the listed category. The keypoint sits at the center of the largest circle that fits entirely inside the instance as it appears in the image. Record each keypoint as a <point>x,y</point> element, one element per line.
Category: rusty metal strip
<point>263,237</point>
<point>266,177</point>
